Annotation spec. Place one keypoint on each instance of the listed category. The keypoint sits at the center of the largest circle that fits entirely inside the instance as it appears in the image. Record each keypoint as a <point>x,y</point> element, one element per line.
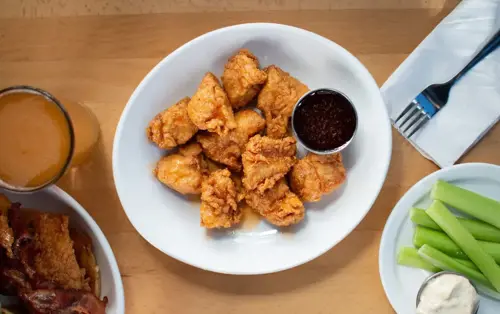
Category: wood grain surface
<point>97,51</point>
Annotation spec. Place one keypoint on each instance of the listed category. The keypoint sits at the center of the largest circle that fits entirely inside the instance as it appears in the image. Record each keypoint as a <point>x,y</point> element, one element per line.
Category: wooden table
<point>97,51</point>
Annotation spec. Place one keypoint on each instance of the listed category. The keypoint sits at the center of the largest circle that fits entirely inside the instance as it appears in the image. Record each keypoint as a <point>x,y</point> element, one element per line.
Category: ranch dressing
<point>448,294</point>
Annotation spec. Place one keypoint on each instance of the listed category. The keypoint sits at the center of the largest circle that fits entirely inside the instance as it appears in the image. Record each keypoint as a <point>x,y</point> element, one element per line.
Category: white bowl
<point>53,199</point>
<point>170,222</point>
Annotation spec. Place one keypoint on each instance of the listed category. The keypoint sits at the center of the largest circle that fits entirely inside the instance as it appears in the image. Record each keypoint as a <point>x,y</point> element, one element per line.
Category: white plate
<point>171,223</point>
<point>53,199</point>
<point>401,283</point>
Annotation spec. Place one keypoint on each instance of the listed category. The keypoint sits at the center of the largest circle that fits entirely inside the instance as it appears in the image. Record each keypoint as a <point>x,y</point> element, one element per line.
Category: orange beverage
<point>40,138</point>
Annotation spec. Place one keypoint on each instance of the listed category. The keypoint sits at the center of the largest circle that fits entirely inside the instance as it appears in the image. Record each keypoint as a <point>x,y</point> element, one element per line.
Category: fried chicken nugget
<point>317,175</point>
<point>277,99</point>
<point>242,79</point>
<point>267,160</point>
<point>182,171</point>
<point>278,205</point>
<point>227,149</point>
<point>56,260</point>
<point>209,108</point>
<point>219,208</point>
<point>82,244</point>
<point>172,127</point>
<point>6,233</point>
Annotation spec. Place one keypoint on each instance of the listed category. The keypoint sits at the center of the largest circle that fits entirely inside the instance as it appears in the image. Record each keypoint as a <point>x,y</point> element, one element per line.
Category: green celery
<point>408,256</point>
<point>479,230</point>
<point>442,242</point>
<point>452,227</point>
<point>444,262</point>
<point>473,204</point>
<point>467,263</point>
<point>438,240</point>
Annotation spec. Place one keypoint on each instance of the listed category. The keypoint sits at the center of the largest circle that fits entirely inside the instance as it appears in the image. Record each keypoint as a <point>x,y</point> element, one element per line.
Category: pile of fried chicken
<point>222,154</point>
<point>50,267</point>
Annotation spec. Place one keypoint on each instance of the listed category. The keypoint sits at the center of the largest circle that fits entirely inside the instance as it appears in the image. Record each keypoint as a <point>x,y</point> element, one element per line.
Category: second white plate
<point>401,283</point>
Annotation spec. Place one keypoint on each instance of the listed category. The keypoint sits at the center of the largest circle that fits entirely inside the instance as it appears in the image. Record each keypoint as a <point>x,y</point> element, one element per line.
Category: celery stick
<point>478,206</point>
<point>408,256</point>
<point>442,242</point>
<point>450,224</point>
<point>479,230</point>
<point>467,263</point>
<point>438,240</point>
<point>420,217</point>
<point>444,262</point>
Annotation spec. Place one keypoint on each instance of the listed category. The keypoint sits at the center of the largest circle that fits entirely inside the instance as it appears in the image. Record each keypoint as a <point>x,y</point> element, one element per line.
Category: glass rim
<point>69,124</point>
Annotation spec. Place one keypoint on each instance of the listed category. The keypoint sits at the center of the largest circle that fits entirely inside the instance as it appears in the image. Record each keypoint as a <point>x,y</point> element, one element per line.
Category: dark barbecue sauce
<point>324,120</point>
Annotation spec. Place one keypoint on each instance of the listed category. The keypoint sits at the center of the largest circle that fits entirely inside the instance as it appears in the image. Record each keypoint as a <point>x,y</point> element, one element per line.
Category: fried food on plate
<point>317,175</point>
<point>44,301</point>
<point>278,205</point>
<point>267,160</point>
<point>277,99</point>
<point>172,127</point>
<point>242,78</point>
<point>6,233</point>
<point>82,244</point>
<point>55,259</point>
<point>182,171</point>
<point>227,149</point>
<point>238,184</point>
<point>219,208</point>
<point>209,108</point>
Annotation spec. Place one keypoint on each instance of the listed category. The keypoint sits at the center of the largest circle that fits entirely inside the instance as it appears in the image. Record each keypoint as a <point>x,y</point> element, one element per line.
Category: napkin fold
<point>474,103</point>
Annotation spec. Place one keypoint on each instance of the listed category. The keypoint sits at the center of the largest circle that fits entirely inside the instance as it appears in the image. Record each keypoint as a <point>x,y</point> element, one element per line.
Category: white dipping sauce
<point>447,294</point>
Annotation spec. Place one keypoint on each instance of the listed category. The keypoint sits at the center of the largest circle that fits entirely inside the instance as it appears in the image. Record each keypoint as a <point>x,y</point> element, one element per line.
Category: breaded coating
<point>227,149</point>
<point>172,127</point>
<point>6,233</point>
<point>267,160</point>
<point>209,108</point>
<point>278,205</point>
<point>317,175</point>
<point>55,259</point>
<point>82,244</point>
<point>277,99</point>
<point>182,171</point>
<point>238,184</point>
<point>242,79</point>
<point>219,207</point>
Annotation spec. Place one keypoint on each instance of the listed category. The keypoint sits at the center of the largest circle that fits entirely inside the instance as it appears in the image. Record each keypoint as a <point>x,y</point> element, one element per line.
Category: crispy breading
<point>242,79</point>
<point>182,171</point>
<point>317,175</point>
<point>172,127</point>
<point>219,207</point>
<point>277,99</point>
<point>227,149</point>
<point>278,205</point>
<point>209,108</point>
<point>55,259</point>
<point>6,233</point>
<point>267,160</point>
<point>82,244</point>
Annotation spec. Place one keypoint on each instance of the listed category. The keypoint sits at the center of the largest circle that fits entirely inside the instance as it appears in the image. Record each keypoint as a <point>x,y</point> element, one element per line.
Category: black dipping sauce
<point>324,120</point>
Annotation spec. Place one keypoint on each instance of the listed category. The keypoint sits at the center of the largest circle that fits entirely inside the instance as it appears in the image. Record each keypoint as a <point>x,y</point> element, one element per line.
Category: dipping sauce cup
<point>324,121</point>
<point>40,138</point>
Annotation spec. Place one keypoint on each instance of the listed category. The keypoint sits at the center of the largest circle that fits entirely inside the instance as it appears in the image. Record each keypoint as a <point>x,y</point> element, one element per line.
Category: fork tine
<point>410,105</point>
<point>419,125</point>
<point>418,116</point>
<point>410,116</point>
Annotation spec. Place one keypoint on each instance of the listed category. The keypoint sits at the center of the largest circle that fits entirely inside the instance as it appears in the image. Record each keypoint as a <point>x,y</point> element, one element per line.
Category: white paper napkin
<point>474,103</point>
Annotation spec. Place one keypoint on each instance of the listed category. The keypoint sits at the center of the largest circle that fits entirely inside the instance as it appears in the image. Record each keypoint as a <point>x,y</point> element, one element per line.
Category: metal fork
<point>421,109</point>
